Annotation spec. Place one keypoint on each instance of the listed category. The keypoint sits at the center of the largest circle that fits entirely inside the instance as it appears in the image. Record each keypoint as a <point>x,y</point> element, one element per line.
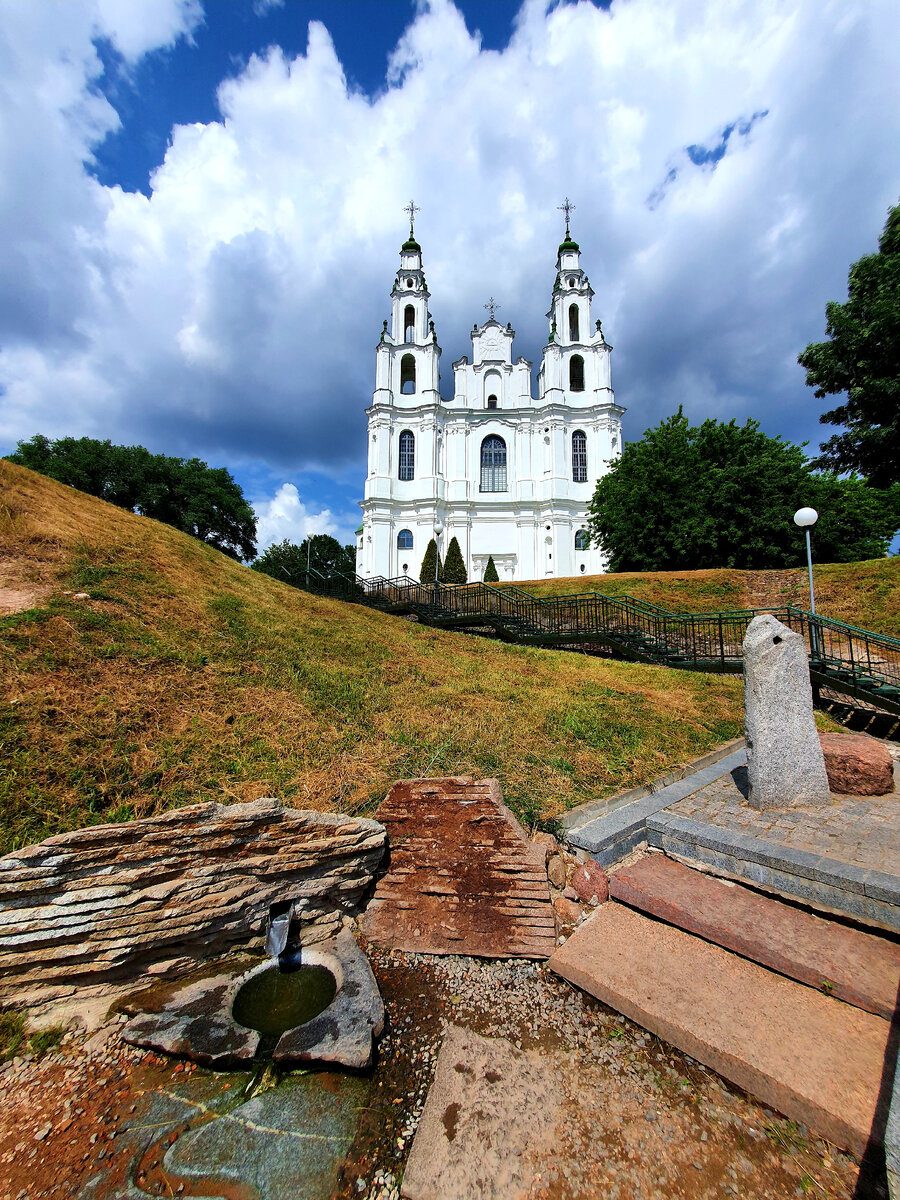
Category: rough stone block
<point>857,765</point>
<point>785,764</point>
<point>589,881</point>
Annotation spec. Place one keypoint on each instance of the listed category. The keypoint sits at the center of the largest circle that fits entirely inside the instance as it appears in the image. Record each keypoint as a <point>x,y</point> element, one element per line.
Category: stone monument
<point>785,763</point>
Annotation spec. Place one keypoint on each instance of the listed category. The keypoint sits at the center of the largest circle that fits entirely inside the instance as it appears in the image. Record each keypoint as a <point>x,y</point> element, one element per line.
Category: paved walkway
<point>863,831</point>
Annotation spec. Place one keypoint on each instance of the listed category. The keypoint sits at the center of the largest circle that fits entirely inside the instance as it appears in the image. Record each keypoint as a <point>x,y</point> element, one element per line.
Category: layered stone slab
<point>95,907</point>
<point>462,876</point>
<point>860,968</point>
<point>808,1055</point>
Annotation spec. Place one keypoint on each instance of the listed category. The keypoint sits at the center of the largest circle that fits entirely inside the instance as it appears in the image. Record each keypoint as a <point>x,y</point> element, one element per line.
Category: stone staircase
<point>793,1008</point>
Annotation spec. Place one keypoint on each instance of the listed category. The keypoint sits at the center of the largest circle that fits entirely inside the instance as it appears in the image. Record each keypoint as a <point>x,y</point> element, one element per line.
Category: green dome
<point>411,244</point>
<point>568,244</point>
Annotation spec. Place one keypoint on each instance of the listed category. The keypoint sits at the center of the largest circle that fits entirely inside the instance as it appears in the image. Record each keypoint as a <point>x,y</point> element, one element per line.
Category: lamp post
<point>805,518</point>
<point>438,530</point>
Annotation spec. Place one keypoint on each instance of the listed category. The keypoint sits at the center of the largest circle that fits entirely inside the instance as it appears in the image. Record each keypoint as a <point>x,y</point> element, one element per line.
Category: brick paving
<point>863,831</point>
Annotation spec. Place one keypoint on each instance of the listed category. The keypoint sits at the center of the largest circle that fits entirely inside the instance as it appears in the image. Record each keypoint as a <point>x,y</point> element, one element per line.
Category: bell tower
<point>575,368</point>
<point>407,369</point>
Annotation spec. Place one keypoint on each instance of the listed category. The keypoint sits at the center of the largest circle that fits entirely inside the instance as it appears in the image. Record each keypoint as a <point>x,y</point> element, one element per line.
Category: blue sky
<point>202,208</point>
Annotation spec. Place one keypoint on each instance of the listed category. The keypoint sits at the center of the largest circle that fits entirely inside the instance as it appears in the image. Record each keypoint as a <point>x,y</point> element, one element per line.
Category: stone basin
<point>196,1020</point>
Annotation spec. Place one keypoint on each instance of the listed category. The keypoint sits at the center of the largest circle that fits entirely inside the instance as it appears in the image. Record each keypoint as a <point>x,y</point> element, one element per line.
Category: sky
<point>202,205</point>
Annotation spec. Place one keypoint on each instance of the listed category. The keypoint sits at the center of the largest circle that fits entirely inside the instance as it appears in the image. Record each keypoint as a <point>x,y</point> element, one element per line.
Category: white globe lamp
<point>805,518</point>
<point>438,530</point>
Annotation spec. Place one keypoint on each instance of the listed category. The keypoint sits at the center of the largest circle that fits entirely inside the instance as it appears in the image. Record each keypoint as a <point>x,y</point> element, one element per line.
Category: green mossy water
<point>274,1001</point>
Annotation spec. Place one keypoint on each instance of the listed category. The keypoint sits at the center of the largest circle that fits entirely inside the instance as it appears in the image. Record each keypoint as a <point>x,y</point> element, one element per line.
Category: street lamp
<point>805,518</point>
<point>438,530</point>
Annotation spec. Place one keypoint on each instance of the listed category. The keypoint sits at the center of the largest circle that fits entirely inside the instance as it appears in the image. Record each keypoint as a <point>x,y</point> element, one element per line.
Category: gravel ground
<point>642,1121</point>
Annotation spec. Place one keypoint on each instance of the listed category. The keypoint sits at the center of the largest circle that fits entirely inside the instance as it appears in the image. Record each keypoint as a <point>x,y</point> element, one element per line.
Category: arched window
<point>582,541</point>
<point>576,373</point>
<point>579,456</point>
<point>407,464</point>
<point>408,376</point>
<point>492,401</point>
<point>493,464</point>
<point>573,322</point>
<point>409,324</point>
<point>404,537</point>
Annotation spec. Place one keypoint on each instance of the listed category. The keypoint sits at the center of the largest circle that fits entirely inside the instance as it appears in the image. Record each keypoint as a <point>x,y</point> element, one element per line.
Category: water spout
<point>277,929</point>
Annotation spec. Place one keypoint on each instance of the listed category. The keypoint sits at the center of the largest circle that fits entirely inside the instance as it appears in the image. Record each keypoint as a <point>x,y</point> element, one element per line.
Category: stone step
<point>610,829</point>
<point>860,968</point>
<point>811,1057</point>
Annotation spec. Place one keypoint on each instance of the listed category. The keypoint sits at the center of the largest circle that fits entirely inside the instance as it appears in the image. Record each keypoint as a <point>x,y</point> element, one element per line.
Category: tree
<point>288,562</point>
<point>490,571</point>
<point>426,575</point>
<point>724,495</point>
<point>200,500</point>
<point>862,359</point>
<point>454,566</point>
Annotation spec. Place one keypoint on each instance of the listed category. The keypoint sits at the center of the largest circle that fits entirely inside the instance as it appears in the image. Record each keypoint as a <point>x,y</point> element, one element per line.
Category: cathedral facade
<point>508,474</point>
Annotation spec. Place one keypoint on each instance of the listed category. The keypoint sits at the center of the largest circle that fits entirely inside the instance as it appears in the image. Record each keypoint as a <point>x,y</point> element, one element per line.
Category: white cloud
<point>233,314</point>
<point>285,516</point>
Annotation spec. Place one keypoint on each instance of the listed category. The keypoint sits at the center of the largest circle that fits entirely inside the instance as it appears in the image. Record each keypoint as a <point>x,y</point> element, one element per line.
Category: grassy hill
<point>864,593</point>
<point>183,676</point>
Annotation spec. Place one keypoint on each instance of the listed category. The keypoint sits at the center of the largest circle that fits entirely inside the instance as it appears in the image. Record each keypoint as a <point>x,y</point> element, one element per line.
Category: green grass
<point>186,677</point>
<point>16,1040</point>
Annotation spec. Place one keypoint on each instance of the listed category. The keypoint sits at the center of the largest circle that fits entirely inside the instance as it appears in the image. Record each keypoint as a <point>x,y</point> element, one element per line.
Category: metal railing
<point>843,657</point>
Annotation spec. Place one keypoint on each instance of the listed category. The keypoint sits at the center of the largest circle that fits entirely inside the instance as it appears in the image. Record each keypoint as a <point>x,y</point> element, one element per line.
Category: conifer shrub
<point>454,566</point>
<point>490,572</point>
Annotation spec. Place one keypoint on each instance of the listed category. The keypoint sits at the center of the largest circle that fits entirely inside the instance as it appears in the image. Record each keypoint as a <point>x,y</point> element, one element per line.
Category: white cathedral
<point>510,476</point>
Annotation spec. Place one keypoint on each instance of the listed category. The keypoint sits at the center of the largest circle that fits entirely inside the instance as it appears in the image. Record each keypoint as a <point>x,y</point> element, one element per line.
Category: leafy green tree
<point>490,571</point>
<point>454,566</point>
<point>724,495</point>
<point>426,575</point>
<point>862,359</point>
<point>200,500</point>
<point>288,562</point>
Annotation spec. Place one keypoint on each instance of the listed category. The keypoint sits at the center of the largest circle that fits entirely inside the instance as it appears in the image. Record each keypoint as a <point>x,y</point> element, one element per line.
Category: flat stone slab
<point>462,876</point>
<point>860,968</point>
<point>807,1055</point>
<point>199,1138</point>
<point>490,1115</point>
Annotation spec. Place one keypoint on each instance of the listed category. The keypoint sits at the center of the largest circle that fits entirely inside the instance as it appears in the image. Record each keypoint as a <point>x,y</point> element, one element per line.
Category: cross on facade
<point>491,305</point>
<point>412,208</point>
<point>567,207</point>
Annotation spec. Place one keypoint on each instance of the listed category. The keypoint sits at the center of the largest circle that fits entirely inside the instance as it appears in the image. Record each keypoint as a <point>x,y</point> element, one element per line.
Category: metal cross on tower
<point>491,305</point>
<point>568,208</point>
<point>412,208</point>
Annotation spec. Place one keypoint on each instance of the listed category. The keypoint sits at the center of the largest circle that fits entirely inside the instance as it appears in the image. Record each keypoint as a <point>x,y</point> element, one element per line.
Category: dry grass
<point>187,677</point>
<point>864,593</point>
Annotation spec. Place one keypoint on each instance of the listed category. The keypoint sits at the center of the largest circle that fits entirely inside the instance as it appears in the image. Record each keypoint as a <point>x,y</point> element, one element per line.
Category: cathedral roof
<point>568,244</point>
